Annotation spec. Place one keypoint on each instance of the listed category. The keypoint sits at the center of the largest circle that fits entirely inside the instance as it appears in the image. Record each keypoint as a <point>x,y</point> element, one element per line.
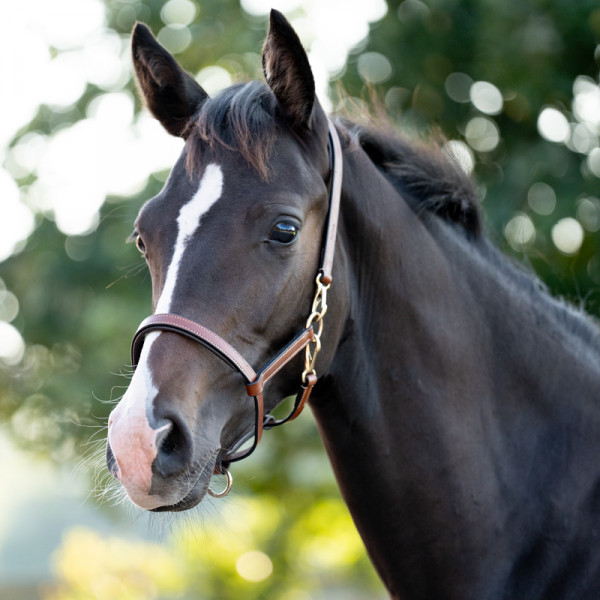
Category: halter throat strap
<point>335,193</point>
<point>255,381</point>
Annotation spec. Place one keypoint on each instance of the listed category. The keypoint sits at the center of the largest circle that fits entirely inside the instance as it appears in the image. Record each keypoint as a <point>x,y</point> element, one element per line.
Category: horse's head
<point>232,242</point>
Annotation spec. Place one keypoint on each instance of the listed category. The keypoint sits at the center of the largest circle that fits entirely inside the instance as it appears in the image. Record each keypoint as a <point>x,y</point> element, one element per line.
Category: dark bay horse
<point>456,399</point>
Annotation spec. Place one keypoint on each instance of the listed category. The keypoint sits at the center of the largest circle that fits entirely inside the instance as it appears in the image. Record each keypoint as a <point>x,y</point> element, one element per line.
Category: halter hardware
<point>319,308</point>
<point>227,487</point>
<point>308,340</point>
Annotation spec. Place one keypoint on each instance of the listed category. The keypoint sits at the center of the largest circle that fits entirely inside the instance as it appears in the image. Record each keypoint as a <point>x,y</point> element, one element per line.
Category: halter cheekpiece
<point>309,339</point>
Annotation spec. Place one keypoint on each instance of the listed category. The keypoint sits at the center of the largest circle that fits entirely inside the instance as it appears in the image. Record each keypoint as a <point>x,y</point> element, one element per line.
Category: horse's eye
<point>284,232</point>
<point>139,242</point>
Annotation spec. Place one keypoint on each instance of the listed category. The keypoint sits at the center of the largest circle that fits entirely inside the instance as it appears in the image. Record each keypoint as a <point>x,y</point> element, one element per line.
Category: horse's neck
<point>426,412</point>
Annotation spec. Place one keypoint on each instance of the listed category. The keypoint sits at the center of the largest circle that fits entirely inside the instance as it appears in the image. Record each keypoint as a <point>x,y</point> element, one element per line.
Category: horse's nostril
<point>174,450</point>
<point>169,439</point>
<point>111,461</point>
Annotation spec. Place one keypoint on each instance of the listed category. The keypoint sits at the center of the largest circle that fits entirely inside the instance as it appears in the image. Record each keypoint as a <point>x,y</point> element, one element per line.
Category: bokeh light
<point>412,9</point>
<point>583,138</point>
<point>17,221</point>
<point>567,235</point>
<point>178,12</point>
<point>486,97</point>
<point>588,213</point>
<point>175,38</point>
<point>520,232</point>
<point>213,79</point>
<point>482,134</point>
<point>9,304</point>
<point>553,125</point>
<point>458,87</point>
<point>254,566</point>
<point>586,102</point>
<point>12,346</point>
<point>461,154</point>
<point>327,45</point>
<point>374,67</point>
<point>63,81</point>
<point>541,198</point>
<point>593,161</point>
<point>35,26</point>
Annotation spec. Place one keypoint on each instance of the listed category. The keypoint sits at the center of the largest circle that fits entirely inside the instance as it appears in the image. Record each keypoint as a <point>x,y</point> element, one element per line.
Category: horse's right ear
<point>171,94</point>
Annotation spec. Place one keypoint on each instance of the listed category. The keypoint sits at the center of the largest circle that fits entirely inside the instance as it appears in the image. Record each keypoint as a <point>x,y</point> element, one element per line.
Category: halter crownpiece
<point>309,339</point>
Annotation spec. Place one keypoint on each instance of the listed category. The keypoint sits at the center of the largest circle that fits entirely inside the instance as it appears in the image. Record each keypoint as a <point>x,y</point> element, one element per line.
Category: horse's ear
<point>171,94</point>
<point>288,72</point>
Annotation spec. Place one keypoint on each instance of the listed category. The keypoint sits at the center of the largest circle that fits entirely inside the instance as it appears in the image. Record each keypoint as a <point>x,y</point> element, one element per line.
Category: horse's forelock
<point>239,118</point>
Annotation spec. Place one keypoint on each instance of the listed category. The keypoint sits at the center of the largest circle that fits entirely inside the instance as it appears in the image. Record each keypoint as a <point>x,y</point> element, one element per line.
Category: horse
<point>456,399</point>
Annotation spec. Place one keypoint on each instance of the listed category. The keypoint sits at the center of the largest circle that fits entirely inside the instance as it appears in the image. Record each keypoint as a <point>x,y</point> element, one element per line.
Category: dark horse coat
<point>457,401</point>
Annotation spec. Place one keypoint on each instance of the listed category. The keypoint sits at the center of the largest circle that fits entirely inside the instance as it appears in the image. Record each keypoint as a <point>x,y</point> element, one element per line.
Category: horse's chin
<point>193,498</point>
<point>173,494</point>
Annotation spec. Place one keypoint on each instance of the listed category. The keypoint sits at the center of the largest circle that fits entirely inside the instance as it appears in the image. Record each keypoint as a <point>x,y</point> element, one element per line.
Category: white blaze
<point>131,437</point>
<point>190,215</point>
<point>188,221</point>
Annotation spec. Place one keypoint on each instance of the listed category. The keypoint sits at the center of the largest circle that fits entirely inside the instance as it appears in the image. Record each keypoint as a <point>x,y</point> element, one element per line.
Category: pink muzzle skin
<point>134,446</point>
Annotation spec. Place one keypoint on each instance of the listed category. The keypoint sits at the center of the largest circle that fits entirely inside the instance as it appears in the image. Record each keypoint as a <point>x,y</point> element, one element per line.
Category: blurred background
<point>513,88</point>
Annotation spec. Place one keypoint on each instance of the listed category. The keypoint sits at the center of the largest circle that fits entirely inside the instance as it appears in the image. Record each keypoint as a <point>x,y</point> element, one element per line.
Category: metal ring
<point>227,487</point>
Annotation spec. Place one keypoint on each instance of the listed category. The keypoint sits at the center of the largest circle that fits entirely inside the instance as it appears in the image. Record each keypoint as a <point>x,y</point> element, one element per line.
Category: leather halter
<point>255,381</point>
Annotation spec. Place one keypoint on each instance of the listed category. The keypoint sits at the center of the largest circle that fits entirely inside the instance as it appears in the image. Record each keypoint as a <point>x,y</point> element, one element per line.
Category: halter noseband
<point>311,335</point>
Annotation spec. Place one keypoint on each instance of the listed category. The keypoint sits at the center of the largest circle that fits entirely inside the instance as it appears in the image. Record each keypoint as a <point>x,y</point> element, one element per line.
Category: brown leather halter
<point>255,381</point>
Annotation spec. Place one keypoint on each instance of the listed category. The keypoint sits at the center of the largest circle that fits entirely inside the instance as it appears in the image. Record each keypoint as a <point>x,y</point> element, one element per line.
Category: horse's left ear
<point>172,95</point>
<point>288,71</point>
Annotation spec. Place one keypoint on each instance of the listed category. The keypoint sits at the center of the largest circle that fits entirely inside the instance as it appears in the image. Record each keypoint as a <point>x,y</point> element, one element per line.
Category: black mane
<point>431,181</point>
<point>426,178</point>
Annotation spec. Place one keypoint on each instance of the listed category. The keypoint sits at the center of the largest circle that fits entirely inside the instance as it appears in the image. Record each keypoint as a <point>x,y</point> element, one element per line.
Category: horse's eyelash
<point>132,237</point>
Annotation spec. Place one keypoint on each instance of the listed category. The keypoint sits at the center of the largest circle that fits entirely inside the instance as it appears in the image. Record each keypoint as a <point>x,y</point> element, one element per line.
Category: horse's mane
<point>432,182</point>
<point>427,179</point>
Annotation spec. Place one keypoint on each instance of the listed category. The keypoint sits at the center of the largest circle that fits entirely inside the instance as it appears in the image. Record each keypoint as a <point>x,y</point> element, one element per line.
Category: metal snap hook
<point>227,488</point>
